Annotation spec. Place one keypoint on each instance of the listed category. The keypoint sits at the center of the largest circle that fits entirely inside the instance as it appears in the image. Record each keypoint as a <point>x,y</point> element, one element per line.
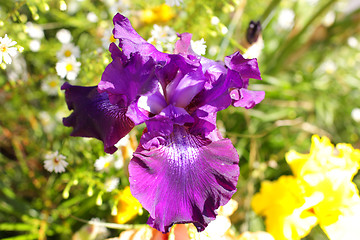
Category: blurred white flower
<point>213,50</point>
<point>329,19</point>
<point>286,19</point>
<point>312,2</point>
<point>17,70</point>
<point>199,47</point>
<point>63,5</point>
<point>91,17</point>
<point>328,67</point>
<point>68,68</point>
<point>64,36</point>
<point>50,85</point>
<point>47,122</point>
<point>161,37</point>
<point>122,6</point>
<point>67,50</point>
<point>224,30</point>
<point>351,6</point>
<point>55,162</point>
<point>119,163</point>
<point>73,7</point>
<point>355,114</point>
<point>103,163</point>
<point>35,45</point>
<point>108,38</point>
<point>215,20</point>
<point>7,50</point>
<point>173,2</point>
<point>352,42</point>
<point>111,184</point>
<point>34,30</point>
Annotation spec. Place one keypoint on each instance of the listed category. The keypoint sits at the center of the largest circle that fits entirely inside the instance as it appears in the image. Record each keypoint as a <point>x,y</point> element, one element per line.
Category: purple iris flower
<point>183,169</point>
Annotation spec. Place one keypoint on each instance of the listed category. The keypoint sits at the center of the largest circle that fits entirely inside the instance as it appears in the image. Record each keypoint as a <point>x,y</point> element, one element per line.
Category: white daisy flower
<point>7,50</point>
<point>67,50</point>
<point>199,46</point>
<point>161,37</point>
<point>64,36</point>
<point>51,85</point>
<point>111,184</point>
<point>173,2</point>
<point>108,37</point>
<point>103,163</point>
<point>55,162</point>
<point>68,68</point>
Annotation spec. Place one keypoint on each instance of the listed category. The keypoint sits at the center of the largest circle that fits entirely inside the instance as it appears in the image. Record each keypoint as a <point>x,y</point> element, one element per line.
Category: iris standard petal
<point>130,78</point>
<point>127,80</point>
<point>185,179</point>
<point>130,41</point>
<point>94,116</point>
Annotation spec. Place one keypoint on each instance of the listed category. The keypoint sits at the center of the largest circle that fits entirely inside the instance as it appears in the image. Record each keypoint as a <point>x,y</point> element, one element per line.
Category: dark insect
<point>253,31</point>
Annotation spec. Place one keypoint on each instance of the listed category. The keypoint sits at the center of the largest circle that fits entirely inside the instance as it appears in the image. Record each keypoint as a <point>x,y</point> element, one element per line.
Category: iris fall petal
<point>94,116</point>
<point>185,179</point>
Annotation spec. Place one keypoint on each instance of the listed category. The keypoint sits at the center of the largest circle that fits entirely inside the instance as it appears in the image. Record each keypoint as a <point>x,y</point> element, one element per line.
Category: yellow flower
<point>335,211</point>
<point>128,207</point>
<point>159,14</point>
<point>346,226</point>
<point>287,208</point>
<point>323,157</point>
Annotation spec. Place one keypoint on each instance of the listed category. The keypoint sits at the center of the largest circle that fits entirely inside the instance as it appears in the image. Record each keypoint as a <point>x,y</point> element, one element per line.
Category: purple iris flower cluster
<point>183,169</point>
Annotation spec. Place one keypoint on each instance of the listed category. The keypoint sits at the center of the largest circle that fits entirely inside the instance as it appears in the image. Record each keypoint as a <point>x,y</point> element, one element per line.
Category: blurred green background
<point>310,65</point>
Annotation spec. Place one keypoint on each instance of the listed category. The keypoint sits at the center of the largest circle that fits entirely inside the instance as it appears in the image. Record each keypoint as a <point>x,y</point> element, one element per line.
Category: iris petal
<point>94,116</point>
<point>130,41</point>
<point>184,179</point>
<point>248,68</point>
<point>127,80</point>
<point>246,98</point>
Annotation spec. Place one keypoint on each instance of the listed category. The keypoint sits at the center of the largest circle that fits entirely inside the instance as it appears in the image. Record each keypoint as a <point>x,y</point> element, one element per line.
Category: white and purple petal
<point>94,116</point>
<point>184,178</point>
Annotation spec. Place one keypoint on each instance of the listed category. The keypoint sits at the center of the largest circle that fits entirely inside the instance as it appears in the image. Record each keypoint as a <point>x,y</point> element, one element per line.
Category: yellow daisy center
<point>107,164</point>
<point>67,53</point>
<point>3,48</point>
<point>53,84</point>
<point>69,67</point>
